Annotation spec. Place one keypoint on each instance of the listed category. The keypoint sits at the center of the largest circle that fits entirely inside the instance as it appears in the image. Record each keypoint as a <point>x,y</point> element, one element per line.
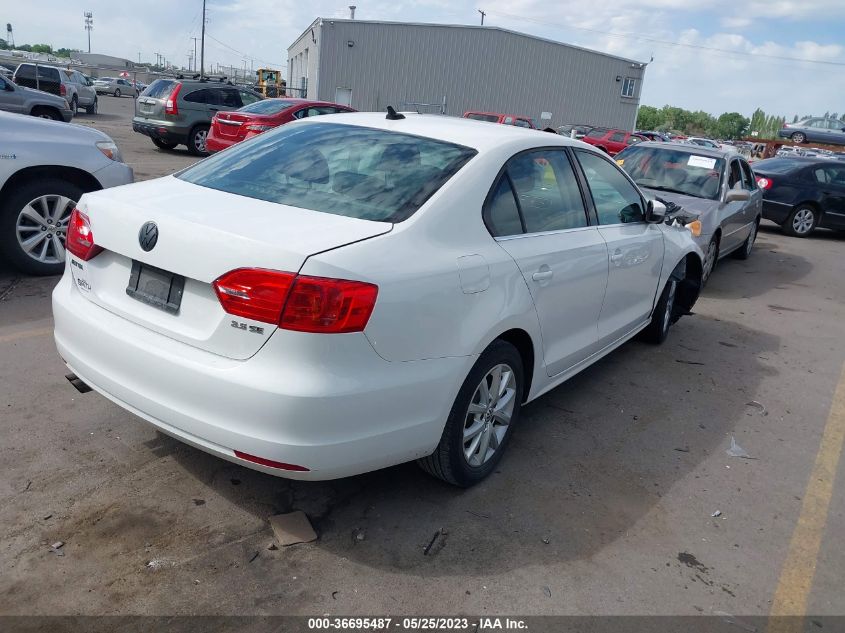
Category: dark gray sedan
<point>716,184</point>
<point>817,130</point>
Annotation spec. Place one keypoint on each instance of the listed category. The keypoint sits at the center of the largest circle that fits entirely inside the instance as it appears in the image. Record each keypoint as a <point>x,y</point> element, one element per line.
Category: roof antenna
<point>392,115</point>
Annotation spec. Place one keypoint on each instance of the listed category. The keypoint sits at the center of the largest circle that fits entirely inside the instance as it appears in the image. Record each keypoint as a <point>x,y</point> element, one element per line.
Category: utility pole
<point>139,57</point>
<point>482,16</point>
<point>195,53</point>
<point>89,24</point>
<point>202,45</point>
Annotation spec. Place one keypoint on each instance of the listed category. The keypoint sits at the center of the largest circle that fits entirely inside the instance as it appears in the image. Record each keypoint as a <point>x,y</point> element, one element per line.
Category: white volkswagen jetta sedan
<point>347,293</point>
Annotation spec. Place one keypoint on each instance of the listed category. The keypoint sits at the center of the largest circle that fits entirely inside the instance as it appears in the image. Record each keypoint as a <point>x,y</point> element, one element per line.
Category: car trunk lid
<point>233,125</point>
<point>202,233</point>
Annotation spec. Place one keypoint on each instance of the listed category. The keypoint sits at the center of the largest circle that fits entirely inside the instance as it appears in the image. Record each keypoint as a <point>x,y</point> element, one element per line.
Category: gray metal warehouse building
<point>451,68</point>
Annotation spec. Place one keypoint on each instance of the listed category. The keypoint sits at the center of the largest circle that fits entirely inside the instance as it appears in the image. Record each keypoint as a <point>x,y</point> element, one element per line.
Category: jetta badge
<point>148,236</point>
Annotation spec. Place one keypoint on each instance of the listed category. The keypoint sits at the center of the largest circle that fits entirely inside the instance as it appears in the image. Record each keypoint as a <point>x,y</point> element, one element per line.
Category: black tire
<point>706,272</point>
<point>744,251</point>
<point>196,140</point>
<point>663,316</point>
<point>46,113</point>
<point>10,209</point>
<point>796,223</point>
<point>798,137</point>
<point>93,108</point>
<point>74,105</point>
<point>163,144</point>
<point>448,461</point>
<point>117,92</point>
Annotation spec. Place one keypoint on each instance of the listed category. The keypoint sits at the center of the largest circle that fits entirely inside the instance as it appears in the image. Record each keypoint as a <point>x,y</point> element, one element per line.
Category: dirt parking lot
<point>617,495</point>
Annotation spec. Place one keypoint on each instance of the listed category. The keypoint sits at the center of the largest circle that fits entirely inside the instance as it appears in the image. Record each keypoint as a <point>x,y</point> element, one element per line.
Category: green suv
<point>179,111</point>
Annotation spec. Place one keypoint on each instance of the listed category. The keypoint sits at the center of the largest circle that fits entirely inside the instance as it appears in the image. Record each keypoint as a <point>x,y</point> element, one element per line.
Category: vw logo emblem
<point>148,236</point>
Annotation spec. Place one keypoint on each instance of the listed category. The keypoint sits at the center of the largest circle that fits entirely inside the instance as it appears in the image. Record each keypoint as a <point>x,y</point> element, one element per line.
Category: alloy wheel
<point>41,228</point>
<point>489,415</point>
<point>803,221</point>
<point>200,137</point>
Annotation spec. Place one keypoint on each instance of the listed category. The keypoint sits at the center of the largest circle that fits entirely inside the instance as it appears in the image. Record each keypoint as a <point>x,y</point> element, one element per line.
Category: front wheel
<point>482,418</point>
<point>663,316</point>
<point>801,222</point>
<point>117,92</point>
<point>798,137</point>
<point>710,259</point>
<point>33,224</point>
<point>93,108</point>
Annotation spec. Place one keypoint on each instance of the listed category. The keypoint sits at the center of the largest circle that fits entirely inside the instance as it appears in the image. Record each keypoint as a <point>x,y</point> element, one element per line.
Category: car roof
<point>691,149</point>
<point>467,132</point>
<point>802,161</point>
<point>522,116</point>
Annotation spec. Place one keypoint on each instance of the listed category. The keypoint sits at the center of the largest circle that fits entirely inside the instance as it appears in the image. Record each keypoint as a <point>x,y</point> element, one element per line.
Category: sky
<point>785,56</point>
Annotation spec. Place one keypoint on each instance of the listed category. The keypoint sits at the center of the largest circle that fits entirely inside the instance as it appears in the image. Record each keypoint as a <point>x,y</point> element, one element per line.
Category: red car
<point>612,141</point>
<point>504,119</point>
<point>228,128</point>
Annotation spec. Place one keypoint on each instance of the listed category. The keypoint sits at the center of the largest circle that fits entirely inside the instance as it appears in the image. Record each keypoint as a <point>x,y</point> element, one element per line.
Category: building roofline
<point>470,26</point>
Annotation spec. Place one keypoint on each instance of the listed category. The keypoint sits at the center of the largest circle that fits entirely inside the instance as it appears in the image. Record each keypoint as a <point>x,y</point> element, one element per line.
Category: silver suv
<point>38,103</point>
<point>179,111</point>
<point>64,82</point>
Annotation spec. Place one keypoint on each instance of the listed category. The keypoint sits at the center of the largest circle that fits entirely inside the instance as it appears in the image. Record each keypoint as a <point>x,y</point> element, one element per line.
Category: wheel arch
<point>523,343</point>
<point>78,177</point>
<point>39,107</point>
<point>688,272</point>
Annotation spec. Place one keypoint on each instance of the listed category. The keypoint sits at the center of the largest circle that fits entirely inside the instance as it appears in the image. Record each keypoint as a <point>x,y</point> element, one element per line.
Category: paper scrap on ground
<point>292,528</point>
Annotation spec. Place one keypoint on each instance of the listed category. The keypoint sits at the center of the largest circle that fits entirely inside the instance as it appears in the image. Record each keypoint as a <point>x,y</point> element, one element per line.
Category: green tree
<point>648,118</point>
<point>731,125</point>
<point>4,45</point>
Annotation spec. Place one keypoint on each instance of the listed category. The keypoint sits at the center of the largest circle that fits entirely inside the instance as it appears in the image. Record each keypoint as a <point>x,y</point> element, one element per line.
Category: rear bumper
<point>160,130</point>
<point>214,143</point>
<point>776,211</point>
<point>338,410</point>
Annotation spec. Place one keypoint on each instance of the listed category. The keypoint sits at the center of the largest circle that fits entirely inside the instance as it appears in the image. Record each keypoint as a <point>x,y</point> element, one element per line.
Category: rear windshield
<point>675,171</point>
<point>490,118</point>
<point>268,106</point>
<point>159,89</point>
<point>777,166</point>
<point>341,169</point>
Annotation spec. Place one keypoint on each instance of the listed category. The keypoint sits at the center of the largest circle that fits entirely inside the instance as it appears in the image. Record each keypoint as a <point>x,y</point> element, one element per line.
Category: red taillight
<point>254,293</point>
<point>62,90</point>
<point>269,462</point>
<point>764,183</point>
<point>330,306</point>
<point>80,238</point>
<point>171,106</point>
<point>301,303</point>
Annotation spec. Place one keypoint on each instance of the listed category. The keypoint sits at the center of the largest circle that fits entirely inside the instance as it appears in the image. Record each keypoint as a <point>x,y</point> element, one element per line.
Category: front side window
<point>522,123</point>
<point>617,201</point>
<point>735,177</point>
<point>748,181</point>
<point>340,169</point>
<point>617,137</point>
<point>629,86</point>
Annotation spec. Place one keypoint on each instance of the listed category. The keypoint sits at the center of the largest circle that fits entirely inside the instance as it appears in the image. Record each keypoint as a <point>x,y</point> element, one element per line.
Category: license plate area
<point>156,287</point>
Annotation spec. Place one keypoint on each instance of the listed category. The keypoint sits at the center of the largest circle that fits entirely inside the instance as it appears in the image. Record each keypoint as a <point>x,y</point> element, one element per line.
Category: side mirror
<point>655,212</point>
<point>738,195</point>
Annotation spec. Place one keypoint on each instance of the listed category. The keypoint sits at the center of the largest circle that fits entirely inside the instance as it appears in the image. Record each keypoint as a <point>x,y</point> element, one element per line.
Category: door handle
<point>543,275</point>
<point>616,257</point>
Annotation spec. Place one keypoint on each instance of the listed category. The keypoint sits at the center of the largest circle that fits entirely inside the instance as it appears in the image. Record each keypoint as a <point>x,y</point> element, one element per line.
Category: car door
<point>616,143</point>
<point>836,132</point>
<point>754,207</point>
<point>11,97</point>
<point>731,217</point>
<point>831,183</point>
<point>634,247</point>
<point>537,214</point>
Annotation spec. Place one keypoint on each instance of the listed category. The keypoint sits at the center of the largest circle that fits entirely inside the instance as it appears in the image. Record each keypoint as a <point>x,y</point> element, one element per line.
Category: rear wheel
<point>163,144</point>
<point>802,221</point>
<point>117,92</point>
<point>33,225</point>
<point>798,137</point>
<point>482,418</point>
<point>744,251</point>
<point>197,140</point>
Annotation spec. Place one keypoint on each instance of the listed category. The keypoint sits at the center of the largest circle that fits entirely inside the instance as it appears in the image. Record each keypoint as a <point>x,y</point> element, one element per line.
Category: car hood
<point>28,128</point>
<point>46,96</point>
<point>701,206</point>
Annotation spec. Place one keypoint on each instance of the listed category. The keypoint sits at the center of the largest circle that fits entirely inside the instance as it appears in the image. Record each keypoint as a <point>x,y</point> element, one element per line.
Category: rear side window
<point>228,98</point>
<point>201,96</point>
<point>596,133</point>
<point>617,137</point>
<point>339,169</point>
<point>159,89</point>
<point>502,215</point>
<point>617,201</point>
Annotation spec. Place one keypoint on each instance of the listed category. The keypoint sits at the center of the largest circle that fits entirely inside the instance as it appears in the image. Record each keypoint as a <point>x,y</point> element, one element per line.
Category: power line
<point>669,42</point>
<point>241,53</point>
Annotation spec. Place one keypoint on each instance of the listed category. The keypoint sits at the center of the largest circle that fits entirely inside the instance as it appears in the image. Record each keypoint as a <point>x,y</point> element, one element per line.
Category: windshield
<point>672,170</point>
<point>268,106</point>
<point>490,118</point>
<point>341,169</point>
